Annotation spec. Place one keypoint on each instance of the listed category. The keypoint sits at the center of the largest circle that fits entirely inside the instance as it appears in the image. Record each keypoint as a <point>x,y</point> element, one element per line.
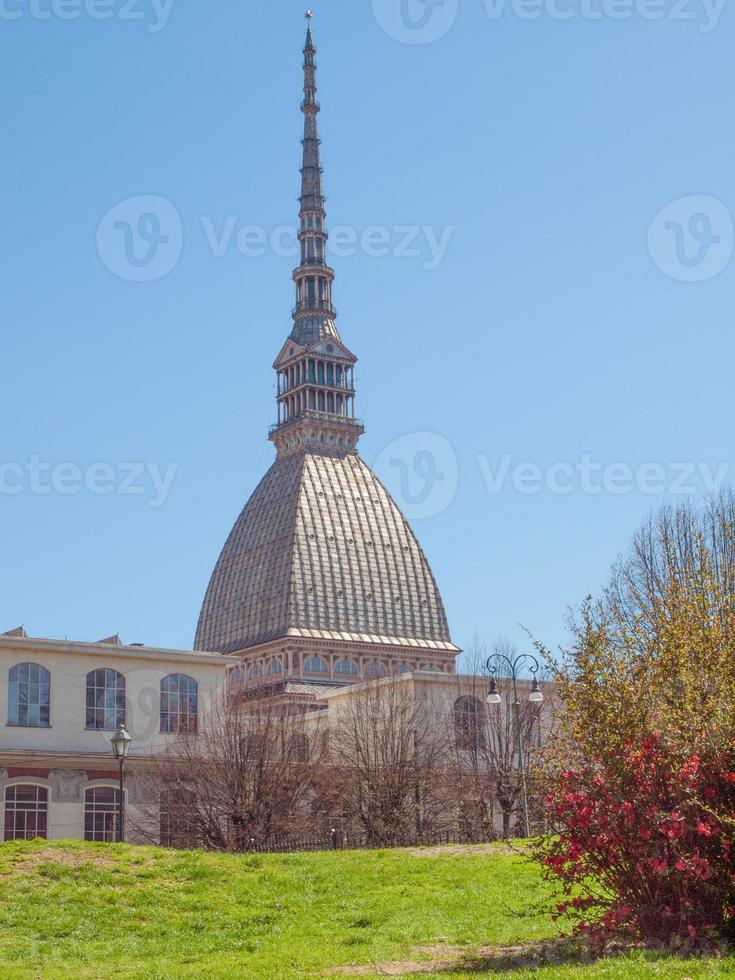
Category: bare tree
<point>689,547</point>
<point>244,779</point>
<point>655,651</point>
<point>387,757</point>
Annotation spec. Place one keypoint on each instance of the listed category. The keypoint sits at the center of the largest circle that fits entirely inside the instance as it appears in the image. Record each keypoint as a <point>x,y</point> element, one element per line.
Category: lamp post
<point>121,746</point>
<point>493,664</point>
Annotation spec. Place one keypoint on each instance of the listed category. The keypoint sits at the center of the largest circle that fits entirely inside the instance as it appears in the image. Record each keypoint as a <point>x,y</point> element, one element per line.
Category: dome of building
<point>321,548</point>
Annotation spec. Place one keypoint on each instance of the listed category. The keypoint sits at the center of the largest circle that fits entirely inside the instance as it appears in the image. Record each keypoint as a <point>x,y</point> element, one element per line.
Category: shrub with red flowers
<point>642,762</point>
<point>645,847</point>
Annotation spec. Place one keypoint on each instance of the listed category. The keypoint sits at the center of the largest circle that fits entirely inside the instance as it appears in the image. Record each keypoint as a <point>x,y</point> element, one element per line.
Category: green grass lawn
<point>87,910</point>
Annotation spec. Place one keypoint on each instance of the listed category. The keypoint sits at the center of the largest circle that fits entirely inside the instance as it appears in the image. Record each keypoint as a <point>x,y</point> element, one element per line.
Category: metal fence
<point>335,840</point>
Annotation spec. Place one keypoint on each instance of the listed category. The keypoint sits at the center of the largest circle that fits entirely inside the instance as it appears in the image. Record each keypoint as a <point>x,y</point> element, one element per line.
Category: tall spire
<point>312,192</point>
<point>314,314</point>
<point>316,391</point>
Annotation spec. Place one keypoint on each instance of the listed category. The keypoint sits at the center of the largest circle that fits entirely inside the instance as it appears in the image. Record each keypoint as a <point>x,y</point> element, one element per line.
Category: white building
<point>62,702</point>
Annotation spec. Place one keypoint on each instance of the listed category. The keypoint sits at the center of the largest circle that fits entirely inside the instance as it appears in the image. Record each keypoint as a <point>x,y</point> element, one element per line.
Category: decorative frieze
<point>67,785</point>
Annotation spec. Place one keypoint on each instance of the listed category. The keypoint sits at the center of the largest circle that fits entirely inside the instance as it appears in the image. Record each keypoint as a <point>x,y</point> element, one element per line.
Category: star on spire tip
<point>309,14</point>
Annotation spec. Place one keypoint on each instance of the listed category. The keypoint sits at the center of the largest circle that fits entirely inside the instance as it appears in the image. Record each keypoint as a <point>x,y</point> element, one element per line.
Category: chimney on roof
<point>19,633</point>
<point>113,641</point>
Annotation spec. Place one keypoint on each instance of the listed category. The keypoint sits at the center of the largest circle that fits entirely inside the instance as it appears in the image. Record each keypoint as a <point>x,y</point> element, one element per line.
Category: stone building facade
<point>62,703</point>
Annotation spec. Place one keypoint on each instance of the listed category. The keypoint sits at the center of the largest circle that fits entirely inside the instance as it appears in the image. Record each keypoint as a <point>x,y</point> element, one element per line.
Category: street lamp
<point>495,662</point>
<point>121,746</point>
<point>493,695</point>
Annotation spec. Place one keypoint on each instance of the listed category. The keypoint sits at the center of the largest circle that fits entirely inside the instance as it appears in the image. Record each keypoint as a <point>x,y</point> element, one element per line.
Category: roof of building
<point>14,640</point>
<point>322,550</point>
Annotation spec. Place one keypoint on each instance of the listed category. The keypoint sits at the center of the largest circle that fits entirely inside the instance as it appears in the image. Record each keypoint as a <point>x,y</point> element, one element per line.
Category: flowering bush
<point>642,761</point>
<point>645,845</point>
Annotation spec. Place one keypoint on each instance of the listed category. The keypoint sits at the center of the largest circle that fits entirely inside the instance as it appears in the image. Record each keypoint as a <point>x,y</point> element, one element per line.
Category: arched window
<point>101,808</point>
<point>404,668</point>
<point>254,672</point>
<point>373,668</point>
<point>275,667</point>
<point>26,812</point>
<point>29,696</point>
<point>316,665</point>
<point>469,723</point>
<point>345,667</point>
<point>105,699</point>
<point>178,704</point>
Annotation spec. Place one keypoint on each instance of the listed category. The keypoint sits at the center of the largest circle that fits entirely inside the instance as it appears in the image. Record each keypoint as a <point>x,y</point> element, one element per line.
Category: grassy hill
<point>86,910</point>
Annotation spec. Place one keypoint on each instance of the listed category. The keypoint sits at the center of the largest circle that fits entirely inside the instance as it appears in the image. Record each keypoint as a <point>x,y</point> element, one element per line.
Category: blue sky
<point>570,325</point>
